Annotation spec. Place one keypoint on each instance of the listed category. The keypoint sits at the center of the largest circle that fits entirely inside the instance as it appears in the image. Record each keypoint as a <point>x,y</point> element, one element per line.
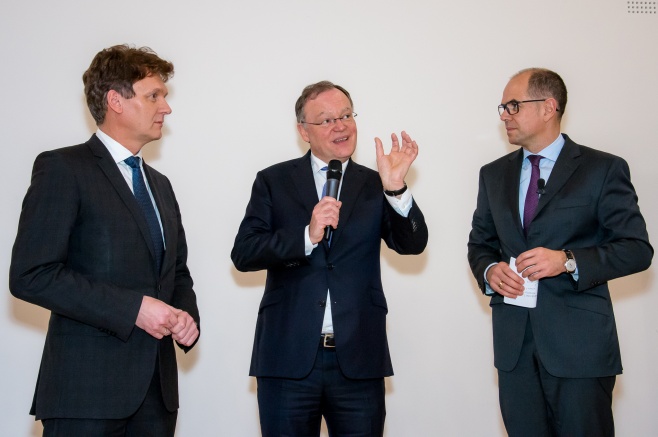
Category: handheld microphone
<point>334,173</point>
<point>540,186</point>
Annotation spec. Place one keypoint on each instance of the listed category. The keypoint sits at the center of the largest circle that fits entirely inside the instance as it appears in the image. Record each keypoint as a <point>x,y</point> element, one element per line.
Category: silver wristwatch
<point>570,265</point>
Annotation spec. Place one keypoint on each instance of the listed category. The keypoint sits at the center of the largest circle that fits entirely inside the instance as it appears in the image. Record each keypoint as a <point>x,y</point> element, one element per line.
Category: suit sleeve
<point>184,297</point>
<point>624,247</point>
<point>483,243</point>
<point>39,273</point>
<point>405,235</point>
<point>265,239</point>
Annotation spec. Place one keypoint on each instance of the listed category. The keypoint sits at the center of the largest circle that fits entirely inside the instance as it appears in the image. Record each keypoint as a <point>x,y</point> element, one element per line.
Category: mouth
<point>340,140</point>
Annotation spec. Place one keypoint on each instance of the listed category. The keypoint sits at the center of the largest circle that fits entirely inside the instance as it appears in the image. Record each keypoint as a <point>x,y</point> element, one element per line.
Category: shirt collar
<point>551,152</point>
<point>317,164</point>
<point>118,152</point>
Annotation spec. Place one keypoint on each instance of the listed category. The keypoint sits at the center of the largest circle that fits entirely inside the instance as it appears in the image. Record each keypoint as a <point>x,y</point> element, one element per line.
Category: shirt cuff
<point>308,246</point>
<point>402,205</point>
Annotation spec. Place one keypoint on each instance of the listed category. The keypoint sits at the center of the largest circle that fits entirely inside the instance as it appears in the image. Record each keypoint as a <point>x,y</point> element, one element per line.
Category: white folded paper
<point>529,297</point>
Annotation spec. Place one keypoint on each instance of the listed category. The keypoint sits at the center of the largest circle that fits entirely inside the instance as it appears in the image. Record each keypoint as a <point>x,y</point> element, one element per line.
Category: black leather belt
<point>327,341</point>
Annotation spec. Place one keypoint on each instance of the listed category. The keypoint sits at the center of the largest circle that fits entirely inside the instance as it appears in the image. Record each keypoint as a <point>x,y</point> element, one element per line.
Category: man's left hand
<point>393,167</point>
<point>540,263</point>
<point>185,331</point>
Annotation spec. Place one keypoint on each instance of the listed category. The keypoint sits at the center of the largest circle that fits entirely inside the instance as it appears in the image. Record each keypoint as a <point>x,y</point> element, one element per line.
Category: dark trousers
<point>295,407</point>
<point>536,403</point>
<point>151,419</point>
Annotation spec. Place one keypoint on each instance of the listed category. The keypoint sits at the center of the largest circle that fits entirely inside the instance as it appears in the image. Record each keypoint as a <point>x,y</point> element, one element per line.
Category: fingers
<point>540,263</point>
<point>155,317</point>
<point>395,142</point>
<point>505,281</point>
<point>186,330</point>
<point>325,213</point>
<point>379,148</point>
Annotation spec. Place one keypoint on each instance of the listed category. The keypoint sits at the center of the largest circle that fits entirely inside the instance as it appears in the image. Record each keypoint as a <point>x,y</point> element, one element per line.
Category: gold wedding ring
<point>500,284</point>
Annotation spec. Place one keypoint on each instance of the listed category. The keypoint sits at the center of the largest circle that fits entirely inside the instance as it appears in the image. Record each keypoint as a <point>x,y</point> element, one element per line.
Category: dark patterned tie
<point>532,196</point>
<point>145,203</point>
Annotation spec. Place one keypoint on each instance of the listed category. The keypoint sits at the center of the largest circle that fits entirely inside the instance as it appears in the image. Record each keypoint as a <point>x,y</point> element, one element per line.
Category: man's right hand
<point>324,214</point>
<point>503,280</point>
<point>156,317</point>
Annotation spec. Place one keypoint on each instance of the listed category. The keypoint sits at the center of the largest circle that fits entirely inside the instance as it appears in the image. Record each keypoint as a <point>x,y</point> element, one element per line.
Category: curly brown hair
<point>118,68</point>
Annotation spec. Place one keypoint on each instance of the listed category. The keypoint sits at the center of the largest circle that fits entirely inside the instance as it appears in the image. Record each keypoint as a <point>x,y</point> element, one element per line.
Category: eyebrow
<point>340,112</point>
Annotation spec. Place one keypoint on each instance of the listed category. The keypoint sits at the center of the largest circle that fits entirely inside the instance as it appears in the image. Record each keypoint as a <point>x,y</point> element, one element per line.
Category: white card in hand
<point>529,297</point>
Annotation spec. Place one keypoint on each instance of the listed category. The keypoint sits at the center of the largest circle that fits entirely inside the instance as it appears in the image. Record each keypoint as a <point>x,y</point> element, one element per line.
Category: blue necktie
<point>145,203</point>
<point>532,196</point>
<point>324,187</point>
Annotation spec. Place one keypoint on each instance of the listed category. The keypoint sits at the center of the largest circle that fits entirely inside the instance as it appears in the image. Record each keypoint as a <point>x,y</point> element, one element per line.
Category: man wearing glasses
<point>320,347</point>
<point>555,221</point>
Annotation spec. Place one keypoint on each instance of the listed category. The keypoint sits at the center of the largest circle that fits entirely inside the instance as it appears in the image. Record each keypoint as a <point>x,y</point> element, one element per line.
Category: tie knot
<point>534,159</point>
<point>133,161</point>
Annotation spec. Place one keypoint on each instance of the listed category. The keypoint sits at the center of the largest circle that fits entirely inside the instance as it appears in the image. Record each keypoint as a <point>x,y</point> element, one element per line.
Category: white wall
<point>436,69</point>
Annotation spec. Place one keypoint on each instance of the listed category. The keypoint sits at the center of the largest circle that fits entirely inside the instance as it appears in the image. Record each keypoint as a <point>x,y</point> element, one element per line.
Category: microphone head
<point>541,184</point>
<point>335,169</point>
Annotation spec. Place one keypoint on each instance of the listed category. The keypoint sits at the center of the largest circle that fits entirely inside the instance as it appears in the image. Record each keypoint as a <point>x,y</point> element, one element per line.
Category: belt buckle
<point>329,337</point>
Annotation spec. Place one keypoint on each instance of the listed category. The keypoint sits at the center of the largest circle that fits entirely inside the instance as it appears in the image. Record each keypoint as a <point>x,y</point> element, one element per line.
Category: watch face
<point>570,265</point>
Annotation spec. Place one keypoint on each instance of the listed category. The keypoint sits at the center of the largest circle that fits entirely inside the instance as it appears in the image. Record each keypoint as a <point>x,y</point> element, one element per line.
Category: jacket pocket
<point>270,298</point>
<point>589,302</point>
<point>378,299</point>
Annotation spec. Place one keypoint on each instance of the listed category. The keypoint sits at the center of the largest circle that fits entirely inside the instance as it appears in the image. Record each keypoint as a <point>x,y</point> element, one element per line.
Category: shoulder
<point>589,155</point>
<point>286,167</point>
<point>511,159</point>
<point>70,156</point>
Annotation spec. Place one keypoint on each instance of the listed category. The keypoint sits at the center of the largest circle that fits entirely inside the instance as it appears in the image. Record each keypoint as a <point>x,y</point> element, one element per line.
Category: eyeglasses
<point>512,107</point>
<point>345,119</point>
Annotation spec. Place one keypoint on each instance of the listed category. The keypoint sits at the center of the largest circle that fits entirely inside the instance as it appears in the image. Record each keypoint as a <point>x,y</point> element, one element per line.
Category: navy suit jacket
<point>83,251</point>
<point>590,207</point>
<point>271,236</point>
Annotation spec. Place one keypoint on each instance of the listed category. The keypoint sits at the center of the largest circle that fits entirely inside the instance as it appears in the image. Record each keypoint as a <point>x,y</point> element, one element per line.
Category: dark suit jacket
<point>590,207</point>
<point>271,237</point>
<point>83,251</point>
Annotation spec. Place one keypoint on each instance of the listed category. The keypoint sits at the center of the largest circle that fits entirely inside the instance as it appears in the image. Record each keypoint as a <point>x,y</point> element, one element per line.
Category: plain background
<point>435,69</point>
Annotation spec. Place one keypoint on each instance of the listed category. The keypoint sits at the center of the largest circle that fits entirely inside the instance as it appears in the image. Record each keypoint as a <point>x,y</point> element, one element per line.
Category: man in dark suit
<point>320,347</point>
<point>104,250</point>
<point>556,361</point>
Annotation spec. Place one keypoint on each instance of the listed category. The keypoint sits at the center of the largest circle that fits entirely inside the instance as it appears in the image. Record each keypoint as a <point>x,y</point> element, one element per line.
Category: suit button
<point>322,303</point>
<point>330,266</point>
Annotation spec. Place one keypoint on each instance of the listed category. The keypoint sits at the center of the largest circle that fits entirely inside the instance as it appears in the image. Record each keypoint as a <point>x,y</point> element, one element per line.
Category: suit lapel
<point>109,168</point>
<point>354,180</point>
<point>564,167</point>
<point>304,183</point>
<point>302,179</point>
<point>167,226</point>
<point>511,177</point>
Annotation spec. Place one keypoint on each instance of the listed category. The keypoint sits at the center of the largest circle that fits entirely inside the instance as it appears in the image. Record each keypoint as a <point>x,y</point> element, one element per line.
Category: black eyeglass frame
<point>505,106</point>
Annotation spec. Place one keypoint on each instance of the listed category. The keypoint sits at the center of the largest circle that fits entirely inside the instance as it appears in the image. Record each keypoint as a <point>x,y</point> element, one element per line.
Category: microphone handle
<point>332,191</point>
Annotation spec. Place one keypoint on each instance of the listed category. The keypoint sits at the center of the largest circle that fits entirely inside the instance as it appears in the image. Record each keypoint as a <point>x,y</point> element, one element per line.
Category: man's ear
<point>550,108</point>
<point>114,101</point>
<point>302,131</point>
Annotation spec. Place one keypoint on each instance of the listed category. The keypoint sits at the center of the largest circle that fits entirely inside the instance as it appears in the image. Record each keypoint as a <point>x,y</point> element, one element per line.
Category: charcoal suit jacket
<point>83,251</point>
<point>590,207</point>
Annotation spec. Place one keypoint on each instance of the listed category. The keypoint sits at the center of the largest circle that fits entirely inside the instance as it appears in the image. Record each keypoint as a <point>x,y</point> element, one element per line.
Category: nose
<point>165,107</point>
<point>339,124</point>
<point>505,116</point>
